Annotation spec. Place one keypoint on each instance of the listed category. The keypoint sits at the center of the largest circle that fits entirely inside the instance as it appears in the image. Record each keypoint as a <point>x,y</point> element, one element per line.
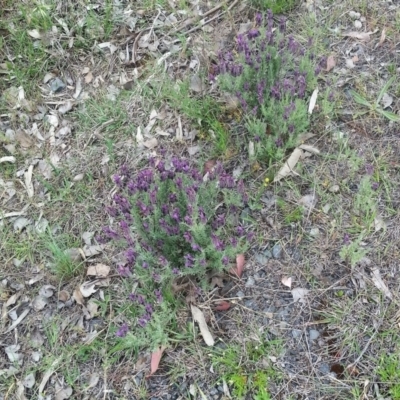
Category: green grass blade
<point>389,115</point>
<point>359,99</point>
<point>385,89</point>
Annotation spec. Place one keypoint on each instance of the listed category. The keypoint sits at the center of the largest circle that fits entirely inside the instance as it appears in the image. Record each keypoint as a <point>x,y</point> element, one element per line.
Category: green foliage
<point>174,228</point>
<point>376,107</point>
<point>203,111</point>
<point>389,373</point>
<point>365,202</point>
<point>276,6</point>
<point>352,252</point>
<point>272,75</point>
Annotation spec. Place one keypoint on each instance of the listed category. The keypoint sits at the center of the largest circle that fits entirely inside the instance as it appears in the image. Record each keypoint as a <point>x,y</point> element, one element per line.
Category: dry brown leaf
<point>10,159</point>
<point>77,295</point>
<point>88,288</point>
<point>99,270</point>
<point>89,77</point>
<point>35,34</point>
<point>28,181</point>
<point>287,281</point>
<point>238,270</point>
<point>313,101</point>
<point>288,167</point>
<point>359,35</point>
<point>383,37</point>
<point>63,296</point>
<point>378,282</point>
<point>299,294</point>
<point>309,148</point>
<point>198,316</point>
<point>155,359</point>
<point>222,305</point>
<point>330,63</point>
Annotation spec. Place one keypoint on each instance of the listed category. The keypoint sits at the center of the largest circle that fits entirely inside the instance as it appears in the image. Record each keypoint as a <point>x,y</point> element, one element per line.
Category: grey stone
<point>213,391</point>
<point>250,281</point>
<point>313,334</point>
<point>324,368</point>
<point>262,259</point>
<point>296,333</point>
<point>57,85</point>
<point>251,304</point>
<point>240,294</point>
<point>277,251</point>
<point>267,253</point>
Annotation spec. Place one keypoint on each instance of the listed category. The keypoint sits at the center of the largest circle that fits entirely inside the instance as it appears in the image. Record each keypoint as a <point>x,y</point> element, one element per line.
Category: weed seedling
<point>376,107</point>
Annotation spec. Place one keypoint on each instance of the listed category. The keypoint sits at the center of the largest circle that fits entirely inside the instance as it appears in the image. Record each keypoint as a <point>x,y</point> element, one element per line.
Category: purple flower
<point>189,260</point>
<point>282,24</point>
<point>138,298</point>
<point>175,271</point>
<point>148,308</point>
<point>156,277</point>
<point>112,211</point>
<point>124,271</point>
<point>175,214</point>
<point>130,256</point>
<point>258,19</point>
<point>118,180</point>
<point>122,331</point>
<point>226,181</point>
<point>246,86</point>
<point>253,33</point>
<point>346,239</point>
<point>110,233</point>
<point>145,265</point>
<point>172,197</point>
<point>196,247</point>
<point>374,185</point>
<point>202,215</point>
<point>163,261</point>
<point>225,260</point>
<point>217,242</point>
<point>188,220</point>
<point>188,236</point>
<point>250,236</point>
<point>144,319</point>
<point>164,209</point>
<point>369,169</point>
<point>234,241</point>
<point>158,295</point>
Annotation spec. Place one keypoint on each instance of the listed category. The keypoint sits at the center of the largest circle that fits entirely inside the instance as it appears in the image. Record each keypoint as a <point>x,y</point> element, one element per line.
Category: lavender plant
<point>172,223</point>
<point>272,76</point>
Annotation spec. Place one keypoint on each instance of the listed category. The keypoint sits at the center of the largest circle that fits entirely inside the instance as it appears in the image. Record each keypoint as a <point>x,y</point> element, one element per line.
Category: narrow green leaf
<point>389,115</point>
<point>359,99</point>
<point>385,89</point>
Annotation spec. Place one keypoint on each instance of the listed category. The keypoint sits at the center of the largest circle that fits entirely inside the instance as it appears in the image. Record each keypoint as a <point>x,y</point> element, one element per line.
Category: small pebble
<point>261,259</point>
<point>250,281</point>
<point>313,334</point>
<point>334,189</point>
<point>267,253</point>
<point>277,251</point>
<point>296,333</point>
<point>240,294</point>
<point>314,232</point>
<point>357,24</point>
<point>354,15</point>
<point>324,368</point>
<point>56,85</point>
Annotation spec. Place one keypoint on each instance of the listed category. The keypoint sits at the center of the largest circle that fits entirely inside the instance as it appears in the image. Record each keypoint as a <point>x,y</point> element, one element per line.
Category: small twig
<point>140,33</point>
<point>212,19</point>
<point>189,21</point>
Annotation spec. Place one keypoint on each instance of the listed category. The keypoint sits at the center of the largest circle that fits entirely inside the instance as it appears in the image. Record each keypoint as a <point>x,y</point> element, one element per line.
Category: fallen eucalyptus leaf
<point>288,167</point>
<point>198,316</point>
